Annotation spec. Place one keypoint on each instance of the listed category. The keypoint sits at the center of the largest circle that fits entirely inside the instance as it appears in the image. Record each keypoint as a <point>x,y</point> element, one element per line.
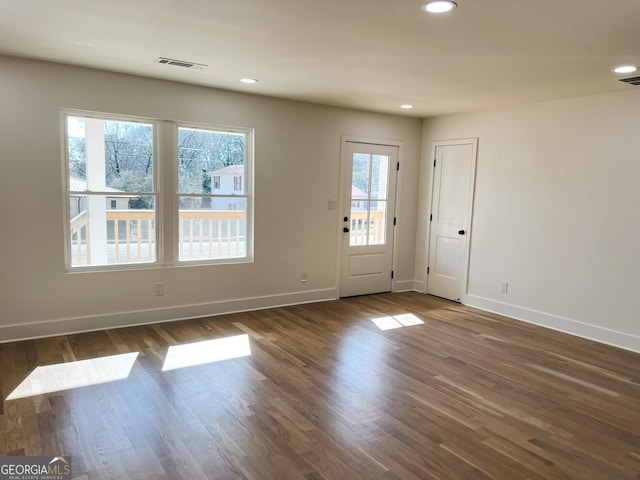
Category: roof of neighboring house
<point>358,194</point>
<point>78,185</point>
<point>230,170</point>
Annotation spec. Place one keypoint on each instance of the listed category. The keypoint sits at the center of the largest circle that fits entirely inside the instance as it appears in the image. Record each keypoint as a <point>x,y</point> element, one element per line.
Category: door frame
<point>472,188</point>
<point>342,185</point>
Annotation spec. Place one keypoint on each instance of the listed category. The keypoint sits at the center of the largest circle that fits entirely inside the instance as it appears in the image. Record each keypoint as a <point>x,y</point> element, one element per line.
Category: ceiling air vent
<point>180,63</point>
<point>631,80</point>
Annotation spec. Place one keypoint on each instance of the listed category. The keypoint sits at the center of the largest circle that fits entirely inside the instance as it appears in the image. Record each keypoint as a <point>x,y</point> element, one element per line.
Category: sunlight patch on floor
<point>397,321</point>
<point>82,373</point>
<point>209,351</point>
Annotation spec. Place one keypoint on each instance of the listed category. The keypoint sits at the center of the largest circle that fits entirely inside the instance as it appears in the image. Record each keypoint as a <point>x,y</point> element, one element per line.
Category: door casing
<point>344,185</point>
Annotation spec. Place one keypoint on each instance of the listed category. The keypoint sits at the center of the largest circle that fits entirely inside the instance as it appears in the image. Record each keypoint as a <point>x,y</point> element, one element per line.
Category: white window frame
<point>69,268</point>
<point>248,194</point>
<point>165,192</point>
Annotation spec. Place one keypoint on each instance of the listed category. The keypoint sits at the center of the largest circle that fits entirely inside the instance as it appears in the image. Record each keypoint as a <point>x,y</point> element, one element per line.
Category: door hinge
<point>428,269</point>
<point>392,274</point>
<point>431,217</point>
<point>394,221</point>
<point>434,162</point>
<point>398,166</point>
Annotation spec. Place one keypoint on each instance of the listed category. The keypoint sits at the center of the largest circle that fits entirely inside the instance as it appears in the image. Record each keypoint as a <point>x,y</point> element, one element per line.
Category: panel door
<point>368,206</point>
<point>450,219</point>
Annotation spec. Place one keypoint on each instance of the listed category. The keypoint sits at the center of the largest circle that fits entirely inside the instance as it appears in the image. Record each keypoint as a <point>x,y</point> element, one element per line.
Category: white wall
<point>297,166</point>
<point>557,213</point>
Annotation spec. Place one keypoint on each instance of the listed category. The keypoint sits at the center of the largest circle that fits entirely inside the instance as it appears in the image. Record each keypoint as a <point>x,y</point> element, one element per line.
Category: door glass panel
<point>379,176</point>
<point>369,189</point>
<point>361,173</point>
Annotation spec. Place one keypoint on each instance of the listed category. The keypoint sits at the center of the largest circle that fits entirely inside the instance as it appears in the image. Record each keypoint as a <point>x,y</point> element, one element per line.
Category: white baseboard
<point>403,286</point>
<point>419,286</point>
<point>555,322</point>
<point>11,333</point>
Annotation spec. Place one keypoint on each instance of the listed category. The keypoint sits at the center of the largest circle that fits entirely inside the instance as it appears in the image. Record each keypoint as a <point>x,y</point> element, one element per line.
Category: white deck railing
<point>363,226</point>
<point>202,234</point>
<point>131,235</point>
<point>80,239</point>
<point>211,233</point>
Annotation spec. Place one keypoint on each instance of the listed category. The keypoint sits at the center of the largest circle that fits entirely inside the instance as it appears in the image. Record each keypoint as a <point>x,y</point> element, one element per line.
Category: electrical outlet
<point>304,277</point>
<point>159,289</point>
<point>504,287</point>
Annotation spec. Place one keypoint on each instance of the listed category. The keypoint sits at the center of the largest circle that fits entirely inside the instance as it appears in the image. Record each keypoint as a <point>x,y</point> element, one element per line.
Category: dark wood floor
<point>326,394</point>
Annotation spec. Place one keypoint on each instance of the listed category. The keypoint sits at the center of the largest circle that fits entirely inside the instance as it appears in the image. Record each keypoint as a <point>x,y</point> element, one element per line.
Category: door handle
<point>461,232</point>
<point>345,230</point>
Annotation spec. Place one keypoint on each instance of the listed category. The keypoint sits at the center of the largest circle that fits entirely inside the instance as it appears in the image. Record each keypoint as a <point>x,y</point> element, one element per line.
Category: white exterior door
<point>368,192</point>
<point>451,206</point>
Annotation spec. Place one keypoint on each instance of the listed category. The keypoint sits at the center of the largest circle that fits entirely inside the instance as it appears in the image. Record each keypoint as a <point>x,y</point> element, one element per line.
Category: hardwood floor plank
<point>324,394</point>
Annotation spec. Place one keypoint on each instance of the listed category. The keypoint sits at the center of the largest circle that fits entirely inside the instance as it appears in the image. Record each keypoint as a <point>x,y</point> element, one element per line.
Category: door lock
<point>345,230</point>
<point>461,232</point>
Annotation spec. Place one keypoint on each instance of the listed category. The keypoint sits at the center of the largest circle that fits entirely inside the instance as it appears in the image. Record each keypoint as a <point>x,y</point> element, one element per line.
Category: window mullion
<point>167,176</point>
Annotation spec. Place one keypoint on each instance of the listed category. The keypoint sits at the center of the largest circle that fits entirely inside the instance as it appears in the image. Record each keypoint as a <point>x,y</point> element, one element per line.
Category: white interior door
<point>451,207</point>
<point>368,192</point>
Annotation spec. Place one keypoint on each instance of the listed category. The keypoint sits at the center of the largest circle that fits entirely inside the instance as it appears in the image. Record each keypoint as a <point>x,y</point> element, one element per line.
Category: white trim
<point>64,114</point>
<point>394,251</point>
<point>165,191</point>
<point>403,286</point>
<point>555,322</point>
<point>248,195</point>
<point>371,141</point>
<point>472,186</point>
<point>66,217</point>
<point>167,185</point>
<point>343,188</point>
<point>64,326</point>
<point>419,286</point>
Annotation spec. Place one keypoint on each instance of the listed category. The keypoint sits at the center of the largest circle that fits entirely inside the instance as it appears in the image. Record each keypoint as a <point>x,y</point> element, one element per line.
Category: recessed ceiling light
<point>626,69</point>
<point>407,106</point>
<point>439,6</point>
<point>248,80</point>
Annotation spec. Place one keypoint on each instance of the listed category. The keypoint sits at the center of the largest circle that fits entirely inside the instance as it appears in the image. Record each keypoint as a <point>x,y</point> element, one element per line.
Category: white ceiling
<point>365,54</point>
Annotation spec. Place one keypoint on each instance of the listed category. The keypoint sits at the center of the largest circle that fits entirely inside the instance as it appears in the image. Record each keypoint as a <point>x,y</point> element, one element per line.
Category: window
<point>113,196</point>
<point>369,200</point>
<point>213,225</point>
<point>110,158</point>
